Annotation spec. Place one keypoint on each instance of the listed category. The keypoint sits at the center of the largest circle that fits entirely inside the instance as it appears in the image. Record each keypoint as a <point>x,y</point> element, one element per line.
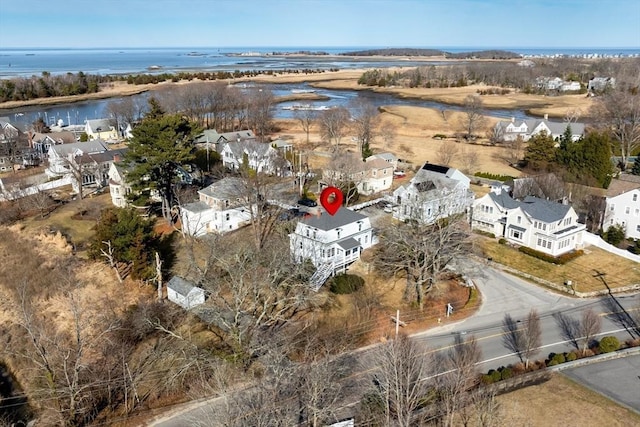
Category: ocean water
<point>28,62</point>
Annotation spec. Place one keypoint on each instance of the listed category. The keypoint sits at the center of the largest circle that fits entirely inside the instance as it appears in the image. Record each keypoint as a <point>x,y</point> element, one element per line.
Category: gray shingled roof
<point>348,243</point>
<point>326,222</point>
<point>503,199</point>
<point>238,148</point>
<point>555,127</point>
<point>180,285</point>
<point>95,146</point>
<point>196,207</point>
<point>225,189</point>
<point>544,210</point>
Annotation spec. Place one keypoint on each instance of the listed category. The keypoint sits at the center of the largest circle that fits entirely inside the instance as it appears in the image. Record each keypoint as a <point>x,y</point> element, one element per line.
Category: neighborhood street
<point>502,293</point>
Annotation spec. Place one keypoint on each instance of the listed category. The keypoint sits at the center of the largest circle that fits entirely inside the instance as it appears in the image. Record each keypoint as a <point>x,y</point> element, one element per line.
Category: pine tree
<point>541,152</point>
<point>635,170</point>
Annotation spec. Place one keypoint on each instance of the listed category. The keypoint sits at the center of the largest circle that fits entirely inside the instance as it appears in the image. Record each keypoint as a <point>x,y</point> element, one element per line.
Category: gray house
<point>184,293</point>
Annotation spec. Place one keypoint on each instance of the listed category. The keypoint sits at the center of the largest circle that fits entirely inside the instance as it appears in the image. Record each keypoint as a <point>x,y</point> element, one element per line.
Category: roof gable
<point>327,222</point>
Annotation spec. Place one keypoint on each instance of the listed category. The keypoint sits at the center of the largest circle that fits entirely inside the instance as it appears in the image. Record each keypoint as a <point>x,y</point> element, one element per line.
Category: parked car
<point>388,208</point>
<point>308,202</point>
<point>399,174</point>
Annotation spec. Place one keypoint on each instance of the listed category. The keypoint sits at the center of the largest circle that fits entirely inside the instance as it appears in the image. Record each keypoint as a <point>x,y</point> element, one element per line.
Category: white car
<point>388,208</point>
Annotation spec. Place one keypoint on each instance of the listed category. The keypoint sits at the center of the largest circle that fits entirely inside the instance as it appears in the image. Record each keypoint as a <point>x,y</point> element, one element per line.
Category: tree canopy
<point>159,145</point>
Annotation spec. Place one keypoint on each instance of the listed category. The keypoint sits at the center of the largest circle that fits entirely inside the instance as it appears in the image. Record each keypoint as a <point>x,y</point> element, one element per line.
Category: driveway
<point>617,379</point>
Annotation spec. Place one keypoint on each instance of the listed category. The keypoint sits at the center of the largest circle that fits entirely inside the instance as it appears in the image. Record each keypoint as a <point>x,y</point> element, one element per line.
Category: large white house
<point>259,156</point>
<point>221,208</point>
<point>623,205</point>
<point>331,242</point>
<point>59,155</point>
<point>370,177</point>
<point>539,224</point>
<point>434,192</point>
<point>510,130</point>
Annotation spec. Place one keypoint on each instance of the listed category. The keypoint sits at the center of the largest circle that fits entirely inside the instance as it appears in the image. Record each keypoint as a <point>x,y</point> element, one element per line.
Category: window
<point>366,239</point>
<point>627,210</point>
<point>612,207</point>
<point>228,216</point>
<point>519,220</point>
<point>516,234</point>
<point>636,212</point>
<point>544,227</point>
<point>638,228</point>
<point>359,226</point>
<point>635,197</point>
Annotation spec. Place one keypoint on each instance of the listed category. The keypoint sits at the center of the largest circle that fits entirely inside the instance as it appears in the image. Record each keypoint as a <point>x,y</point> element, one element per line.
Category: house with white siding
<point>623,205</point>
<point>222,207</point>
<point>259,156</point>
<point>435,192</point>
<point>372,176</point>
<point>101,129</point>
<point>184,293</point>
<point>539,224</point>
<point>331,242</point>
<point>510,130</point>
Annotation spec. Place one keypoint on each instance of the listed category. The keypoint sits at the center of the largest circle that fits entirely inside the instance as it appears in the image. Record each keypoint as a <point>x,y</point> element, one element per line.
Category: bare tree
<point>421,252</point>
<point>125,111</point>
<point>364,114</point>
<point>260,102</point>
<point>618,112</point>
<point>460,374</point>
<point>346,171</point>
<point>473,119</point>
<point>524,339</point>
<point>469,159</point>
<point>590,327</point>
<point>333,125</point>
<point>402,367</point>
<point>495,135</point>
<point>307,118</point>
<point>447,152</point>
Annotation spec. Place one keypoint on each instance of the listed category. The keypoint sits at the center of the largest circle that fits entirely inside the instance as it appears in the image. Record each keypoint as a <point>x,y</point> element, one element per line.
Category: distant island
<point>482,54</point>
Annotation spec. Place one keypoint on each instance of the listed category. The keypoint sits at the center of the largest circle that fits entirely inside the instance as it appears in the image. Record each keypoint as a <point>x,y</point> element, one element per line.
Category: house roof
<point>377,164</point>
<point>107,156</point>
<point>327,222</point>
<point>95,146</point>
<point>180,285</point>
<point>388,157</point>
<point>544,210</point>
<point>225,189</point>
<point>104,125</point>
<point>556,128</point>
<point>239,135</point>
<point>432,177</point>
<point>504,200</point>
<point>348,243</point>
<point>238,148</point>
<point>63,137</point>
<point>196,207</point>
<point>624,183</point>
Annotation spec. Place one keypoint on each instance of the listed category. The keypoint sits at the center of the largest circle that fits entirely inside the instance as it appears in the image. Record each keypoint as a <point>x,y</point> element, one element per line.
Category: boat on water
<point>306,107</point>
<point>303,90</point>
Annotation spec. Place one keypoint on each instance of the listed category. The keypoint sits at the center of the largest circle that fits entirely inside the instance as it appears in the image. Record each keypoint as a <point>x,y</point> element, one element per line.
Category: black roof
<point>435,168</point>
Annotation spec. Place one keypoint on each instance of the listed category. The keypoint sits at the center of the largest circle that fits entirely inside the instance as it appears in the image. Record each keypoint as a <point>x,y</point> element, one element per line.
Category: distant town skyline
<point>322,23</point>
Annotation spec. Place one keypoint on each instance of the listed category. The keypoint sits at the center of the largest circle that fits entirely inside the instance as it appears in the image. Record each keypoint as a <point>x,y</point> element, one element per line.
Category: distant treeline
<point>482,54</point>
<point>47,85</point>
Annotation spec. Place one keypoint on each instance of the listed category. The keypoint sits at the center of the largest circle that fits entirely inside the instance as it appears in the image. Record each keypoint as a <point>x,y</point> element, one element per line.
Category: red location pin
<point>331,199</point>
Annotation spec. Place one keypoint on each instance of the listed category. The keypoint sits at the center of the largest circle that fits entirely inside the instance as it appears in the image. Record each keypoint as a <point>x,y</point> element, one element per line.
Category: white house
<point>331,242</point>
<point>434,192</point>
<point>370,177</point>
<point>15,148</point>
<point>539,224</point>
<point>600,84</point>
<point>42,141</point>
<point>260,156</point>
<point>118,186</point>
<point>183,293</point>
<point>101,129</point>
<point>221,208</point>
<point>525,129</point>
<point>623,205</point>
<point>387,157</point>
<point>59,155</point>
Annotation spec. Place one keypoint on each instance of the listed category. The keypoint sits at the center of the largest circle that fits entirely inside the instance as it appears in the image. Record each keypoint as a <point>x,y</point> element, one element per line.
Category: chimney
<point>546,117</point>
<point>116,157</point>
<point>513,119</point>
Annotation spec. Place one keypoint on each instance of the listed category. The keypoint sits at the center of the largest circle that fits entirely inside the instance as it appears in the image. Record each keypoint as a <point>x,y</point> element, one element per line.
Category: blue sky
<point>328,23</point>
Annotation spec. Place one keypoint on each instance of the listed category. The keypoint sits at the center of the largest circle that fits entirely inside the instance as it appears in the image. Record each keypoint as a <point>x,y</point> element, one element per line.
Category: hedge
<point>608,344</point>
<point>562,259</point>
<point>494,176</point>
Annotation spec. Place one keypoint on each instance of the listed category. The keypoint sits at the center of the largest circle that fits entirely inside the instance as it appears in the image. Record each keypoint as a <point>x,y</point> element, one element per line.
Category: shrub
<point>345,283</point>
<point>439,136</point>
<point>506,373</point>
<point>495,375</point>
<point>571,356</point>
<point>502,241</point>
<point>614,234</point>
<point>493,176</point>
<point>485,233</point>
<point>608,344</point>
<point>556,359</point>
<point>487,379</point>
<point>562,259</point>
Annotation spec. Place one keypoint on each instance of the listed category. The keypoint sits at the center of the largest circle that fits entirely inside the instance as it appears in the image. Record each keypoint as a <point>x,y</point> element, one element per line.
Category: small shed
<point>184,293</point>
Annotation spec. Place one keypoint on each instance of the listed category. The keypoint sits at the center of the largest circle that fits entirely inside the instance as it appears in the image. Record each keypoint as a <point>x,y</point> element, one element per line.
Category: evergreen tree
<point>541,152</point>
<point>159,145</point>
<point>595,153</point>
<point>635,170</point>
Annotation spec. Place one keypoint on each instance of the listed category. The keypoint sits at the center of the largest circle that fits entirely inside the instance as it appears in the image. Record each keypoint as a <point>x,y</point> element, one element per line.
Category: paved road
<point>618,379</point>
<point>502,293</point>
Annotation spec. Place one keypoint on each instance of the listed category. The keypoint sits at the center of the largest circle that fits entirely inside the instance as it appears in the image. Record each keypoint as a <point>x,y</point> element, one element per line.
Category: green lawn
<point>618,271</point>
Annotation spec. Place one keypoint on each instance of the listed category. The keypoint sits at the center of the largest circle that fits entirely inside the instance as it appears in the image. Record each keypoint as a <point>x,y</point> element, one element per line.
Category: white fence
<point>592,239</point>
<point>16,193</point>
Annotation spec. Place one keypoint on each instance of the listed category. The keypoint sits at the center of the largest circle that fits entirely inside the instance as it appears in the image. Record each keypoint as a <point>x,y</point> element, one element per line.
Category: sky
<point>320,23</point>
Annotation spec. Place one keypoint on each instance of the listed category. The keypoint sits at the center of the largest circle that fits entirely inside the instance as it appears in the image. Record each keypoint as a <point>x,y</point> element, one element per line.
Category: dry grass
<point>561,401</point>
<point>619,271</point>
